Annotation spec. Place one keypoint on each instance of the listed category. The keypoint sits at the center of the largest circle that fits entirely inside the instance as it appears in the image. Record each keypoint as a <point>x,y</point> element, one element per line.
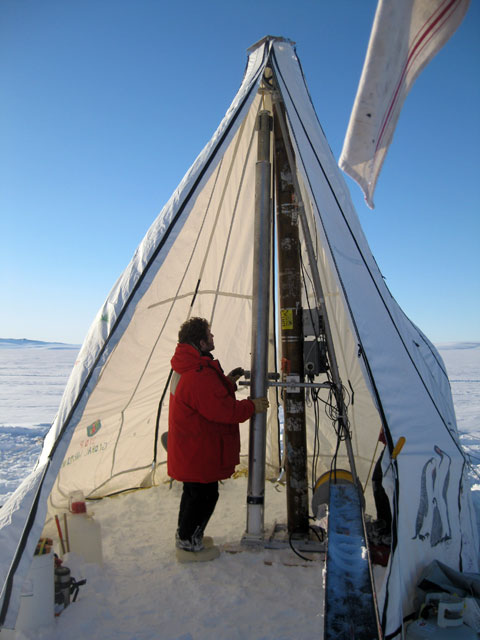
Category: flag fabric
<point>406,35</point>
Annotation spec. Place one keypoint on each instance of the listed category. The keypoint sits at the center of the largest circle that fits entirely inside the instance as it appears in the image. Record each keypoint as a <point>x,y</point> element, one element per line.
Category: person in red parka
<point>203,434</point>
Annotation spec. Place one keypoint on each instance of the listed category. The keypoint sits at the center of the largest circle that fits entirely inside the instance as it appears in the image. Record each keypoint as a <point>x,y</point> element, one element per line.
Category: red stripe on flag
<point>420,41</point>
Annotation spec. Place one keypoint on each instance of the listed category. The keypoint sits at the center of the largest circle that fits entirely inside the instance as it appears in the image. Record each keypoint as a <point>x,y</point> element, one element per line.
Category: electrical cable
<point>316,439</point>
<point>324,533</point>
<point>338,400</point>
<point>320,539</point>
<point>335,407</point>
<point>314,393</point>
<point>295,551</point>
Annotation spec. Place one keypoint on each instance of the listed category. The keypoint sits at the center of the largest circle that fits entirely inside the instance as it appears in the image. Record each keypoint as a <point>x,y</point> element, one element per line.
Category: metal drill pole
<point>260,323</point>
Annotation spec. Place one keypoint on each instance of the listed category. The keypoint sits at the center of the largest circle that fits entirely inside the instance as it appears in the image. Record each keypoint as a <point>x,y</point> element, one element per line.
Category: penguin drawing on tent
<point>432,520</point>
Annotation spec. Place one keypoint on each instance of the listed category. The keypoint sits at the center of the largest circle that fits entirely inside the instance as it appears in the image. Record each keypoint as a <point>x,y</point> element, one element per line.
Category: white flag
<point>406,34</point>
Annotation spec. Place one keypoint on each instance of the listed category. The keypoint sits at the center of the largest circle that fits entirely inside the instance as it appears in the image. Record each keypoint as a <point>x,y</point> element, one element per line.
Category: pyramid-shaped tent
<point>197,260</point>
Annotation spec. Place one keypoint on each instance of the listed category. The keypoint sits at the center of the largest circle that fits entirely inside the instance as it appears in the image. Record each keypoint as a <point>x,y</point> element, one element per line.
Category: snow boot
<point>198,542</point>
<point>207,541</point>
<point>206,554</point>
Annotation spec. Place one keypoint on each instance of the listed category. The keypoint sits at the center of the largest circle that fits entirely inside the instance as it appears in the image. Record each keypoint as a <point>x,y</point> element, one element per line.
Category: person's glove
<point>235,374</point>
<point>261,404</point>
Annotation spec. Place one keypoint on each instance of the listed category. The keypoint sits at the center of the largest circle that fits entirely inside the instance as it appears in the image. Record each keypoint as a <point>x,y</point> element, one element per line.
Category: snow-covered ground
<point>463,365</point>
<point>141,593</point>
<point>32,378</point>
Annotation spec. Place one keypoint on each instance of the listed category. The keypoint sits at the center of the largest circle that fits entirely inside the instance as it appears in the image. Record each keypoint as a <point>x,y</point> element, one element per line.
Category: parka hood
<point>187,357</point>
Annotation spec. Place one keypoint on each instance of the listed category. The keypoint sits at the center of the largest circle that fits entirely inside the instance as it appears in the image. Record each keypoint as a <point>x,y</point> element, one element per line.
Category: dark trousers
<point>196,506</point>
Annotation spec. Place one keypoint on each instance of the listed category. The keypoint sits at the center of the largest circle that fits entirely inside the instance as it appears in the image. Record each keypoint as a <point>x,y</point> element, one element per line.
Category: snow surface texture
<point>141,593</point>
<point>32,379</point>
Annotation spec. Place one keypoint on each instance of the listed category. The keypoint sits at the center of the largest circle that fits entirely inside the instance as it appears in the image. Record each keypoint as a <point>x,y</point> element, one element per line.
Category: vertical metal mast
<point>260,322</point>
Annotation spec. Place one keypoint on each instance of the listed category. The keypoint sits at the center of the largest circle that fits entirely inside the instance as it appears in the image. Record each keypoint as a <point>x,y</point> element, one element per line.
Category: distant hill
<point>446,346</point>
<point>24,343</point>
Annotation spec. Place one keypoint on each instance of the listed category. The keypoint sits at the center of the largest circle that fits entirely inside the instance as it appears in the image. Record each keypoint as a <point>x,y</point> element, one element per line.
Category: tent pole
<point>260,322</point>
<point>338,387</point>
<point>290,293</point>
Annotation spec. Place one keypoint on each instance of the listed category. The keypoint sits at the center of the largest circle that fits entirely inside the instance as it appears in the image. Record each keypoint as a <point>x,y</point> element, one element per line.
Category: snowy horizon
<point>7,343</point>
<point>16,343</point>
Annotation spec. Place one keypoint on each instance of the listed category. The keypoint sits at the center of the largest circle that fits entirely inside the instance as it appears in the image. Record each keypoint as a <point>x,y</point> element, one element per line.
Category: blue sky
<point>104,105</point>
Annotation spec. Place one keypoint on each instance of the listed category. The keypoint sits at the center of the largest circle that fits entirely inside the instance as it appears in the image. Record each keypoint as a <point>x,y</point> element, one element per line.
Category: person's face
<point>208,344</point>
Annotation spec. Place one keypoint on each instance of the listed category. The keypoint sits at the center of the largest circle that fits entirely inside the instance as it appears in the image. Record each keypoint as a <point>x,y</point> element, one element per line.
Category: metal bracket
<point>293,384</point>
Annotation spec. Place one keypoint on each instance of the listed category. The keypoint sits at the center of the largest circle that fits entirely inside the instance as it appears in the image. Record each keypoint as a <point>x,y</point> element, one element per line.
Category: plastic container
<point>450,612</point>
<point>76,502</point>
<point>428,630</point>
<point>38,595</point>
<point>85,537</point>
<point>450,608</point>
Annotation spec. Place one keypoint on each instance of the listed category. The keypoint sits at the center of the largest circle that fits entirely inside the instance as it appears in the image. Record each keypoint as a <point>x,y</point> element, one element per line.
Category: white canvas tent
<point>197,259</point>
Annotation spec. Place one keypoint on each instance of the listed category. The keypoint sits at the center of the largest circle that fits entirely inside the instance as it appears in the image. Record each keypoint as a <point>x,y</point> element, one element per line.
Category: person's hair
<point>193,330</point>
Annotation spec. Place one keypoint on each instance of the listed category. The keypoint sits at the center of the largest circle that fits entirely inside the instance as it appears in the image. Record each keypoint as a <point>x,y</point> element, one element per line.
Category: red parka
<point>203,433</point>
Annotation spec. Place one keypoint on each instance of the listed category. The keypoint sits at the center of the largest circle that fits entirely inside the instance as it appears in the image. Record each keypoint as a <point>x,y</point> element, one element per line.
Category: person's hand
<point>235,374</point>
<point>261,404</point>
